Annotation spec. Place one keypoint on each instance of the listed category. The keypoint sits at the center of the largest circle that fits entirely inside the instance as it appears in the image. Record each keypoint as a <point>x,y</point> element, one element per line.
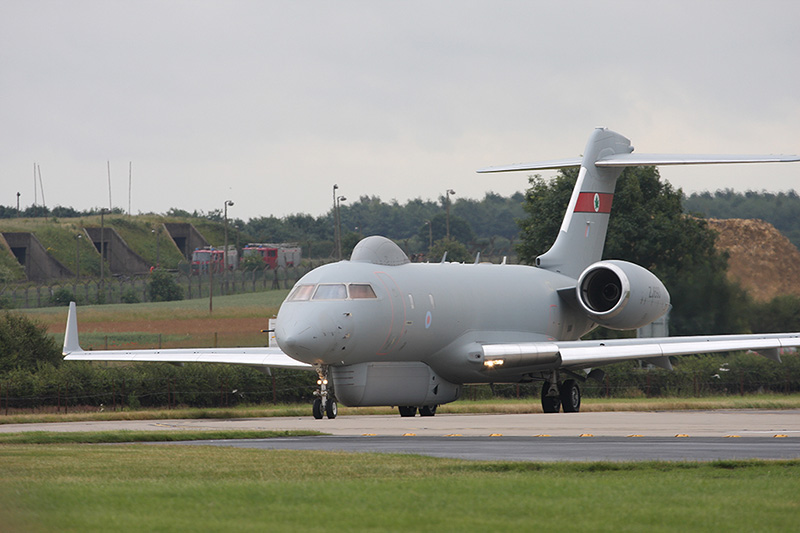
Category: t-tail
<point>582,235</point>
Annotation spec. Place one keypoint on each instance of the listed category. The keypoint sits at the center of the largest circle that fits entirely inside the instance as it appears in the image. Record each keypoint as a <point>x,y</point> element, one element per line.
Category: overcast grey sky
<point>271,103</point>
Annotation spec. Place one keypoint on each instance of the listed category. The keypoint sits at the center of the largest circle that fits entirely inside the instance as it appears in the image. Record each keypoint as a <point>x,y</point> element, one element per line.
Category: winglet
<point>71,344</point>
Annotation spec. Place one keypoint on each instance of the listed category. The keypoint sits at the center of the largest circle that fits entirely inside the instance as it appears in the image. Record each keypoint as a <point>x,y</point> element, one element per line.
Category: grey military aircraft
<point>389,332</point>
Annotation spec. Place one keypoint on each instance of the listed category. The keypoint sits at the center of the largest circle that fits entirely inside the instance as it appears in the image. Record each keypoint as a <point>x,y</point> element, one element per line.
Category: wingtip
<point>71,343</point>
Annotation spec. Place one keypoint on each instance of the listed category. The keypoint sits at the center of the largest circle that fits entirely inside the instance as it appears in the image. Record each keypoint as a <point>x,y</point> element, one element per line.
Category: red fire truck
<point>205,259</point>
<point>274,255</point>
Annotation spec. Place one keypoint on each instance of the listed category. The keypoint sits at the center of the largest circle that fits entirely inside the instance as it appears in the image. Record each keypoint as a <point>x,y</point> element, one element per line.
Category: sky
<point>270,103</point>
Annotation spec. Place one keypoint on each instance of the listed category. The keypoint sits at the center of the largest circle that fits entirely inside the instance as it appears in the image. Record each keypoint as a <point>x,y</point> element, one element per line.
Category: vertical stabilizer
<point>582,235</point>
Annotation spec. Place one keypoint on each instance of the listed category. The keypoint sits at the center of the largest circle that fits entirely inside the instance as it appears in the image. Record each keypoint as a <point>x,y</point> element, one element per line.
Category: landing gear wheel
<point>550,404</point>
<point>570,396</point>
<point>427,410</point>
<point>330,409</point>
<point>407,410</point>
<point>317,408</point>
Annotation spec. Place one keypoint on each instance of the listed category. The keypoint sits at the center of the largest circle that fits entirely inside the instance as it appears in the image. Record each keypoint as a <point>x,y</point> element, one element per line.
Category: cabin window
<point>330,291</point>
<point>301,293</point>
<point>433,303</point>
<point>360,291</point>
<point>411,301</point>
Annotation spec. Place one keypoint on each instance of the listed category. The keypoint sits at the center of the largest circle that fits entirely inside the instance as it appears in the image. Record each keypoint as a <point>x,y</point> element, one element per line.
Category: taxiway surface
<point>664,435</point>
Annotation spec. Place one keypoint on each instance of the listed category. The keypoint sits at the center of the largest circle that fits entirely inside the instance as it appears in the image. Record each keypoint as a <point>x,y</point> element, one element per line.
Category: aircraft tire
<point>317,408</point>
<point>407,410</point>
<point>550,404</point>
<point>570,396</point>
<point>331,409</point>
<point>427,410</point>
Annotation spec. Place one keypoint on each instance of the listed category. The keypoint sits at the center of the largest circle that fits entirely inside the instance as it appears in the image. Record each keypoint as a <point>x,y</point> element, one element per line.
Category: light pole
<point>102,255</point>
<point>157,233</point>
<point>78,237</point>
<point>339,200</point>
<point>430,234</point>
<point>335,222</point>
<point>225,253</point>
<point>447,209</point>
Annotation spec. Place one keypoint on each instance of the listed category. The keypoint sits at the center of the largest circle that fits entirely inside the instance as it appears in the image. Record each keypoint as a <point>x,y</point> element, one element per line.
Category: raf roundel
<point>428,319</point>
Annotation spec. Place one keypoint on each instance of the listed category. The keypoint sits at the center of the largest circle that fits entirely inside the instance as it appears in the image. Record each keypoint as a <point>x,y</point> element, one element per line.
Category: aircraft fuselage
<point>429,312</point>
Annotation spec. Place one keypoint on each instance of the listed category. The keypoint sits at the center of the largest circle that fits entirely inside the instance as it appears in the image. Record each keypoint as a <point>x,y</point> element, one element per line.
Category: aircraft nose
<point>310,341</point>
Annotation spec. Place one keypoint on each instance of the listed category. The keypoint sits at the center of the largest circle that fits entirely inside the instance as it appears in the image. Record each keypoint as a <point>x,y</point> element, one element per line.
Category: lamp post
<point>102,255</point>
<point>225,254</point>
<point>78,237</point>
<point>339,200</point>
<point>335,222</point>
<point>157,233</point>
<point>430,234</point>
<point>447,209</point>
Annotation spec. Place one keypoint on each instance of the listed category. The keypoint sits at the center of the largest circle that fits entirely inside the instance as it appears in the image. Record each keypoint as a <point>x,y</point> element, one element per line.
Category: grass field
<point>184,488</point>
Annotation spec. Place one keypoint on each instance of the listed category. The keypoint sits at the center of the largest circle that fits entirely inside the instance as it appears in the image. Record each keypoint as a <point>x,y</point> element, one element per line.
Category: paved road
<point>665,435</point>
<point>744,423</point>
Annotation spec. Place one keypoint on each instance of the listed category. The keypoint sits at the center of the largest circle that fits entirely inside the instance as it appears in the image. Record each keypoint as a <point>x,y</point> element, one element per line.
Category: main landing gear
<point>567,395</point>
<point>410,410</point>
<point>324,403</point>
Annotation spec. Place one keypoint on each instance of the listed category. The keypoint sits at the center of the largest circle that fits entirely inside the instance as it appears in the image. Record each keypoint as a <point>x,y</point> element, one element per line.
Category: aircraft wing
<point>262,356</point>
<point>585,354</point>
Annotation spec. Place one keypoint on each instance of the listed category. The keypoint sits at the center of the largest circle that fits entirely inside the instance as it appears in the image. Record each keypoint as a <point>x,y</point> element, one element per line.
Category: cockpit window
<point>361,290</point>
<point>301,293</point>
<point>330,291</point>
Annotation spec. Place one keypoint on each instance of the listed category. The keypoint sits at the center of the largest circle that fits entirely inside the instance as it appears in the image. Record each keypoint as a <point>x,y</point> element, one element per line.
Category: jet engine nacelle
<point>392,383</point>
<point>621,295</point>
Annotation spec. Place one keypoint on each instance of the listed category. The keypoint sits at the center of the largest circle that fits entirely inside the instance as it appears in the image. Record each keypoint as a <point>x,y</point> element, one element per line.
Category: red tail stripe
<point>586,202</point>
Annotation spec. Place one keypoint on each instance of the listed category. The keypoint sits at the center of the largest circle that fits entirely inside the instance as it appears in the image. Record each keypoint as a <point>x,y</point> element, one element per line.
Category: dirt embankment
<point>762,260</point>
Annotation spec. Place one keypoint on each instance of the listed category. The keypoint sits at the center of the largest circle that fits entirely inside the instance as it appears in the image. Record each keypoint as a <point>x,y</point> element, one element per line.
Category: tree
<point>163,287</point>
<point>648,227</point>
<point>456,251</point>
<point>460,230</point>
<point>25,344</point>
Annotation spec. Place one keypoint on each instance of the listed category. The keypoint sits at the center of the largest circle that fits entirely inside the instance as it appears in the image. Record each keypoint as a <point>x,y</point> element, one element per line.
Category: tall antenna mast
<point>41,185</point>
<point>35,187</point>
<point>130,172</point>
<point>109,185</point>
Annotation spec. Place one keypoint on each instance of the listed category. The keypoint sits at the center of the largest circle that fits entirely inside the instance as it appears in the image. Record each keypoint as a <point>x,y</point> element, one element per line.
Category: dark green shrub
<point>129,296</point>
<point>163,287</point>
<point>62,296</point>
<point>24,343</point>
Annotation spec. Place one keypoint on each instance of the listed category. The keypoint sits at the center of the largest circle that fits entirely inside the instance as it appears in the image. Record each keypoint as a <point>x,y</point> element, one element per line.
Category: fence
<point>133,289</point>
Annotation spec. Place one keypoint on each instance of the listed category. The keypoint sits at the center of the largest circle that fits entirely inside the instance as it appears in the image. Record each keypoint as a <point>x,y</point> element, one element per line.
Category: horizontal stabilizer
<point>541,165</point>
<point>647,160</point>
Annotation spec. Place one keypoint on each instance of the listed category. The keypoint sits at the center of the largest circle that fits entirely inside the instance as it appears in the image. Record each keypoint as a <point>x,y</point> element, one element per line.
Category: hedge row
<point>199,385</point>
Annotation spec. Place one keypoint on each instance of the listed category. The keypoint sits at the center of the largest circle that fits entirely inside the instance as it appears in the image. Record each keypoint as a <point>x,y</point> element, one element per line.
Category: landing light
<point>491,363</point>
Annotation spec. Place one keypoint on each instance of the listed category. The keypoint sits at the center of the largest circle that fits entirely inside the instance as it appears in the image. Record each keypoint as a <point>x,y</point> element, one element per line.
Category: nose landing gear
<point>324,403</point>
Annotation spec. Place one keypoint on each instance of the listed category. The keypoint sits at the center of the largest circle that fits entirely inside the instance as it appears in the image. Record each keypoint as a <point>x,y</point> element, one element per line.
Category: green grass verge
<point>184,488</point>
<point>96,437</point>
